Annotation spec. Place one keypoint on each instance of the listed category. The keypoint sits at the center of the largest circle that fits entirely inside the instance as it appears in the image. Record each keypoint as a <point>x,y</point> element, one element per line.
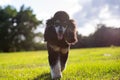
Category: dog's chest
<point>59,49</point>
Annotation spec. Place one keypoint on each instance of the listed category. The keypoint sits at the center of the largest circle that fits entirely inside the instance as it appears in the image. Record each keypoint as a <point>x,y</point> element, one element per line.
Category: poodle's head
<point>64,27</point>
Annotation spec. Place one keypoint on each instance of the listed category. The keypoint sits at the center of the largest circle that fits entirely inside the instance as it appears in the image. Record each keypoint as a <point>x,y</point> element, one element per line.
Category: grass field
<point>83,64</point>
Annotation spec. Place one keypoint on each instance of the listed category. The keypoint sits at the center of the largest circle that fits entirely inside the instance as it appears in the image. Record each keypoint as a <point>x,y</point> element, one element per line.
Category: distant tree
<point>106,36</point>
<point>6,26</point>
<point>100,36</point>
<point>17,29</point>
<point>84,41</point>
<point>26,22</point>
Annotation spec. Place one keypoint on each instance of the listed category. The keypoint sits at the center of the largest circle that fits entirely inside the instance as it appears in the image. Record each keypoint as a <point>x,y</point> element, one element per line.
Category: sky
<point>86,13</point>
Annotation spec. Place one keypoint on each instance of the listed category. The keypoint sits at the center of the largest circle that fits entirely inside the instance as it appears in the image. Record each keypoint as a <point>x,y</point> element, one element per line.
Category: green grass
<point>83,64</point>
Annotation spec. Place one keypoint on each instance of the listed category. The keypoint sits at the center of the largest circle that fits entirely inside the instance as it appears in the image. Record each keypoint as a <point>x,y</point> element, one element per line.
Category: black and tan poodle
<point>60,34</point>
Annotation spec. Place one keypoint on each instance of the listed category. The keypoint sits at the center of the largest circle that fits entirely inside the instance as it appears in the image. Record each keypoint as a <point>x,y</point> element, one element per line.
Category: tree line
<point>17,29</point>
<point>104,36</point>
<point>17,32</point>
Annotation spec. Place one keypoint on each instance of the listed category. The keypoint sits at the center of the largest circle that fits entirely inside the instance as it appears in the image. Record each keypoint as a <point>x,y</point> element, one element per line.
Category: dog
<point>60,33</point>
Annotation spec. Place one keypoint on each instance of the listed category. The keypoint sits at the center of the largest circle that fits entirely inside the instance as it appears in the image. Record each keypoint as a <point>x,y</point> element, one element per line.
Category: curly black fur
<point>59,49</point>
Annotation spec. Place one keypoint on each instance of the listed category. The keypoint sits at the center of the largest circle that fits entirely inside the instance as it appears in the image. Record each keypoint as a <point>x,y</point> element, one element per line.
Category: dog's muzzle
<point>60,30</point>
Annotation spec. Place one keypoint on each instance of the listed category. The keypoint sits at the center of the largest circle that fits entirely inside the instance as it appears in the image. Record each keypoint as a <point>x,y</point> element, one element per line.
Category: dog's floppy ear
<point>50,22</point>
<point>46,33</point>
<point>49,30</point>
<point>71,32</point>
<point>72,23</point>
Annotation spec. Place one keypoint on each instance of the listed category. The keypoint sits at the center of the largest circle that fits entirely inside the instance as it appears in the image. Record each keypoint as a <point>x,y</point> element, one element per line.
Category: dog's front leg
<point>54,62</point>
<point>56,70</point>
<point>55,67</point>
<point>63,60</point>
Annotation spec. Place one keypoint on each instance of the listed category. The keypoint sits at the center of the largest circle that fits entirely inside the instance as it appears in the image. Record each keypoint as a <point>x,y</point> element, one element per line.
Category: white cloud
<point>112,22</point>
<point>83,2</point>
<point>104,13</point>
<point>2,2</point>
<point>74,9</point>
<point>49,8</point>
<point>88,28</point>
<point>45,6</point>
<point>95,12</point>
<point>45,9</point>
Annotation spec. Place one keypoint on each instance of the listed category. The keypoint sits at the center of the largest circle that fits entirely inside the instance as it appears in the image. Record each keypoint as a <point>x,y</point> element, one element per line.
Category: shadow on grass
<point>45,76</point>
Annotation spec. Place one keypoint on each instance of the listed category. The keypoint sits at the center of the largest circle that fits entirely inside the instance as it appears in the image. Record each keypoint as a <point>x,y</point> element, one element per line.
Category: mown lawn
<point>83,64</point>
